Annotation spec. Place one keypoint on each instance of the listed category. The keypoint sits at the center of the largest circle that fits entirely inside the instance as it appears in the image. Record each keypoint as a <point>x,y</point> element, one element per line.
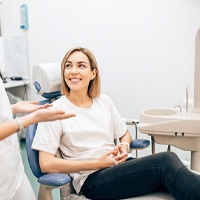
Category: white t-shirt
<point>11,166</point>
<point>87,136</point>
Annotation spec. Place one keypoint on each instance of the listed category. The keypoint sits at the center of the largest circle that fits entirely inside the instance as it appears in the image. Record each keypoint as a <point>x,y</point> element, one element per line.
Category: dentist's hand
<point>47,114</point>
<point>27,106</point>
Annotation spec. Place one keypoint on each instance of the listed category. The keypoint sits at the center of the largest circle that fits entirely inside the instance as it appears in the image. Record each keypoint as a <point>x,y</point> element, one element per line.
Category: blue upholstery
<point>139,143</point>
<point>33,156</point>
<point>54,94</point>
<point>53,179</point>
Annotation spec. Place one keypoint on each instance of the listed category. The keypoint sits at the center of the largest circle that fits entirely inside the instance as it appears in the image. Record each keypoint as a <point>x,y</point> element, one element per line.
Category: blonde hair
<point>94,85</point>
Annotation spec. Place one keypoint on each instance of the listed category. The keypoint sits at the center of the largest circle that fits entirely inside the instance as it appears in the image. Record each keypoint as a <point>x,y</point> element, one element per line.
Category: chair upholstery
<point>54,179</point>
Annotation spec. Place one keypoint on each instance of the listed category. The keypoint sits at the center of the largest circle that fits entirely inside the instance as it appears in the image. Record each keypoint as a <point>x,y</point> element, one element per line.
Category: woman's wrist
<point>125,145</point>
<point>95,164</point>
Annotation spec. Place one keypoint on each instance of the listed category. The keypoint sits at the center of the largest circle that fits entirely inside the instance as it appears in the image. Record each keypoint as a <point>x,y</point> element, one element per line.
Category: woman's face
<point>77,72</point>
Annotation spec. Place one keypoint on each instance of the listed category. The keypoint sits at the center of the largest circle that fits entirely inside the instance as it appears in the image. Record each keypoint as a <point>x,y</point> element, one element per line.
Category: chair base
<point>45,193</point>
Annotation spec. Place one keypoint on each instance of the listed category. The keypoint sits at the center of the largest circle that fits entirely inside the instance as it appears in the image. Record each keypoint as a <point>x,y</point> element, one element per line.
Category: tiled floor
<point>31,177</point>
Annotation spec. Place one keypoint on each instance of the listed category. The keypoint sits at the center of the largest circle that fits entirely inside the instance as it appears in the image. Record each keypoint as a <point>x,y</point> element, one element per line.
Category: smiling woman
<point>81,63</point>
<point>99,168</point>
<point>77,75</point>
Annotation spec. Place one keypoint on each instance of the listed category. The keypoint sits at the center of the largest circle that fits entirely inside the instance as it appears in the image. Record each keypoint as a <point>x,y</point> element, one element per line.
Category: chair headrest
<point>47,79</point>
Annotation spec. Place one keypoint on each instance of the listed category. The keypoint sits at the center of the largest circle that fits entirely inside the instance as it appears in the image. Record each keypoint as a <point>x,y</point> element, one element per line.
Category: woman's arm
<point>50,164</point>
<point>9,127</point>
<point>126,140</point>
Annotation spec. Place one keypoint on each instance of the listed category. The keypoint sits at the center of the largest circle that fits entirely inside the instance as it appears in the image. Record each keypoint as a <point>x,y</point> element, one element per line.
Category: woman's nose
<point>74,69</point>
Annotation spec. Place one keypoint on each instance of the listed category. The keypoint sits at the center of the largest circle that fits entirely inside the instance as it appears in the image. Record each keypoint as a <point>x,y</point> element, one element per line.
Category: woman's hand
<point>27,106</point>
<point>106,160</point>
<point>121,155</point>
<point>117,156</point>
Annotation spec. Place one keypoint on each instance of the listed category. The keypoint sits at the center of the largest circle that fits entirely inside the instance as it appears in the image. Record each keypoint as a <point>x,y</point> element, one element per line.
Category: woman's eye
<point>68,66</point>
<point>81,66</point>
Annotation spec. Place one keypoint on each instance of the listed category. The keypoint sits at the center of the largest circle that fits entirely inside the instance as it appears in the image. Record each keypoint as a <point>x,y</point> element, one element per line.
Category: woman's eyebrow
<point>82,62</point>
<point>77,62</point>
<point>68,61</point>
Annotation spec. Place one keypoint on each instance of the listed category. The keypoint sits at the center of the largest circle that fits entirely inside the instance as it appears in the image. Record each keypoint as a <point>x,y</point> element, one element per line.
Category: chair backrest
<point>33,155</point>
<point>46,79</point>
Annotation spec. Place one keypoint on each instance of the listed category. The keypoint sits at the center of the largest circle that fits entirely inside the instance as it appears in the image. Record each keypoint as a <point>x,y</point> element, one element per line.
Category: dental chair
<point>46,79</point>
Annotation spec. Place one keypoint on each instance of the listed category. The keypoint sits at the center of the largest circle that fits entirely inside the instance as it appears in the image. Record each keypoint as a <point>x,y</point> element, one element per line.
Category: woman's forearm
<point>126,138</point>
<point>50,164</point>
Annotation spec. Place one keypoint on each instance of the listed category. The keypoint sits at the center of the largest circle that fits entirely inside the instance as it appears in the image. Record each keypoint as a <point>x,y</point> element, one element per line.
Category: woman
<point>13,181</point>
<point>101,170</point>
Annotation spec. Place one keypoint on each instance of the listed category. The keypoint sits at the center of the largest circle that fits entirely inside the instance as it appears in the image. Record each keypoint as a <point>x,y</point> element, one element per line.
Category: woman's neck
<point>80,100</point>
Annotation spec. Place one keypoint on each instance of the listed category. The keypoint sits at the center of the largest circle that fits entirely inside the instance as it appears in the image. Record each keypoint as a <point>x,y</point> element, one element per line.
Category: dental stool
<point>46,78</point>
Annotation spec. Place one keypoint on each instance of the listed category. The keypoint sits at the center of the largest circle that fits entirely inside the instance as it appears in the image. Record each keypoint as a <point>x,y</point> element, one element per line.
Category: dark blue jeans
<point>158,172</point>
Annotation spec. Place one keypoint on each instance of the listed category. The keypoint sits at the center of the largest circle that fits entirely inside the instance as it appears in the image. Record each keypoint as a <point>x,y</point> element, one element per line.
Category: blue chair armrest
<point>55,179</point>
<point>139,144</point>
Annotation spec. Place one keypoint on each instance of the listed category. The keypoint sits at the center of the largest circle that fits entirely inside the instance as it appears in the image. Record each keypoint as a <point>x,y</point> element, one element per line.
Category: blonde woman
<point>99,168</point>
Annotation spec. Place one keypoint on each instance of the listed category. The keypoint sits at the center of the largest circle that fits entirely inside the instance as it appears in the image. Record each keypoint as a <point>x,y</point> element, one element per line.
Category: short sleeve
<point>119,126</point>
<point>47,137</point>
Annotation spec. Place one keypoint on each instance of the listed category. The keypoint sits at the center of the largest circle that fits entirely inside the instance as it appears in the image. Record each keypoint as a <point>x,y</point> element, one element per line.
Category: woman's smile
<point>75,80</point>
<point>78,73</point>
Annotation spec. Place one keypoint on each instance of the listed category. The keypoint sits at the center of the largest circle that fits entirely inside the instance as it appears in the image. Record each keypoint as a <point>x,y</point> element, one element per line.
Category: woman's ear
<point>94,72</point>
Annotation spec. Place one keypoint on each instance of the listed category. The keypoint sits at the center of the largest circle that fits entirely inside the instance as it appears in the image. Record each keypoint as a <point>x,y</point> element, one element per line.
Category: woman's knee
<point>170,155</point>
<point>167,157</point>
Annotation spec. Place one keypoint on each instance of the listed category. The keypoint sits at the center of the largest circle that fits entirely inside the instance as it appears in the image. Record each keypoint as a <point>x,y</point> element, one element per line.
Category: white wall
<point>145,48</point>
